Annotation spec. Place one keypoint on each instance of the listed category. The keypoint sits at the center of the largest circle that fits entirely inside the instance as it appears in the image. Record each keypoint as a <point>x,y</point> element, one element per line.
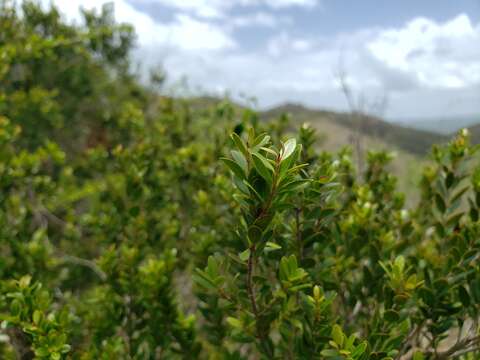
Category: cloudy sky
<point>423,56</point>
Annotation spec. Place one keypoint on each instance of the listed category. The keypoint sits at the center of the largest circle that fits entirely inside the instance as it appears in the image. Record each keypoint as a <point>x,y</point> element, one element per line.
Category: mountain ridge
<point>415,141</point>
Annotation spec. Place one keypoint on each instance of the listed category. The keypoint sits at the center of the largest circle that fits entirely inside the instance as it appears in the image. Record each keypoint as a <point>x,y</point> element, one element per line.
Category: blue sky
<point>422,56</point>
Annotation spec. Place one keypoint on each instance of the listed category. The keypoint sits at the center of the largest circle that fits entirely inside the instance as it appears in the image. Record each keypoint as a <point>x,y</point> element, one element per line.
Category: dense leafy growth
<point>134,226</point>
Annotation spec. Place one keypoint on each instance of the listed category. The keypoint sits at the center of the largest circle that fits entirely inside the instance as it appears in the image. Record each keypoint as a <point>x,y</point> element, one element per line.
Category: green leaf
<point>449,180</point>
<point>212,266</point>
<point>270,151</point>
<point>349,342</point>
<point>418,356</point>
<point>288,149</point>
<point>234,167</point>
<point>440,203</point>
<point>24,281</point>
<point>293,185</point>
<point>337,335</point>
<point>240,160</point>
<point>392,315</point>
<point>360,349</point>
<point>329,353</point>
<point>240,184</point>
<point>300,287</point>
<point>234,322</point>
<point>202,281</point>
<point>260,142</point>
<point>42,351</point>
<point>292,265</point>
<point>459,194</point>
<point>454,219</point>
<point>271,246</point>
<point>244,255</point>
<point>65,349</point>
<point>284,272</point>
<point>240,145</point>
<point>399,264</point>
<point>464,296</point>
<point>250,187</point>
<point>15,307</point>
<point>37,316</point>
<point>263,167</point>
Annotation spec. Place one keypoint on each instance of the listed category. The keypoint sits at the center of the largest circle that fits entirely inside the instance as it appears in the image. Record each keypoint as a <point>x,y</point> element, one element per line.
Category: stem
<point>261,335</point>
<point>407,342</point>
<point>250,286</point>
<point>463,347</point>
<point>251,257</point>
<point>299,233</point>
<point>84,262</point>
<point>20,343</point>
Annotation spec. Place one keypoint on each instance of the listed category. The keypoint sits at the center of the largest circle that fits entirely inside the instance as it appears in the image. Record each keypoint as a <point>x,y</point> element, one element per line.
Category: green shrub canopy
<point>135,226</point>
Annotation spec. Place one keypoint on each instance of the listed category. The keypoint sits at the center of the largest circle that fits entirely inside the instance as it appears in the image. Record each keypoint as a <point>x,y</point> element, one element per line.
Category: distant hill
<point>475,133</point>
<point>412,140</point>
<point>442,125</point>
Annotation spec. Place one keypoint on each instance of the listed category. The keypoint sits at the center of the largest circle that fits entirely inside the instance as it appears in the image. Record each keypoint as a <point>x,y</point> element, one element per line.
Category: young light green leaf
<point>329,353</point>
<point>418,356</point>
<point>288,149</point>
<point>359,350</point>
<point>260,142</point>
<point>271,246</point>
<point>337,335</point>
<point>234,322</point>
<point>244,255</point>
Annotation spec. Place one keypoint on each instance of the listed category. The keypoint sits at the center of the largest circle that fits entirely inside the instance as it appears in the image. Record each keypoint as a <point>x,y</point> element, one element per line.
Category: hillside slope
<point>414,141</point>
<point>475,133</point>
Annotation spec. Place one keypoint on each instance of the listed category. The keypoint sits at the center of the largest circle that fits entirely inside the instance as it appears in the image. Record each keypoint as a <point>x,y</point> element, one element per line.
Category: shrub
<point>163,237</point>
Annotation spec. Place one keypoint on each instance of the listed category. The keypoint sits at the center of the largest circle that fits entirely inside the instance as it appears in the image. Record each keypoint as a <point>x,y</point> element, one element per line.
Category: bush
<point>167,238</point>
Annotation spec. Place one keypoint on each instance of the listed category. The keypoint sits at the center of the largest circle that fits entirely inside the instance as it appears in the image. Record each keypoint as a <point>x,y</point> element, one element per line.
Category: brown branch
<point>298,233</point>
<point>250,287</point>
<point>20,343</point>
<point>411,336</point>
<point>84,262</point>
<point>459,347</point>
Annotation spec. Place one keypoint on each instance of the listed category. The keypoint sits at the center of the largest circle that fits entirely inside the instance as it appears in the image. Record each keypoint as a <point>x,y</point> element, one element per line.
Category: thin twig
<point>84,262</point>
<point>458,347</point>
<point>250,288</point>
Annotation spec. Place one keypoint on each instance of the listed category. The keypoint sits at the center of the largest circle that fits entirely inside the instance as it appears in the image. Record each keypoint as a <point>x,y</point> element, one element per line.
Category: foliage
<point>182,231</point>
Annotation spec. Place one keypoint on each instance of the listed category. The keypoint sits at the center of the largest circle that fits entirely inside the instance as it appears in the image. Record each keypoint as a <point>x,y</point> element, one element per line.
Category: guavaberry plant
<point>123,235</point>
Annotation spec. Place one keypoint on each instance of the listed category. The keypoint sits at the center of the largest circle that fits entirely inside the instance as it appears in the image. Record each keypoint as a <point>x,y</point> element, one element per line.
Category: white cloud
<point>184,32</point>
<point>439,54</point>
<point>257,19</point>
<point>284,43</point>
<point>191,34</point>
<point>277,4</point>
<point>201,8</point>
<point>218,8</point>
<point>422,65</point>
